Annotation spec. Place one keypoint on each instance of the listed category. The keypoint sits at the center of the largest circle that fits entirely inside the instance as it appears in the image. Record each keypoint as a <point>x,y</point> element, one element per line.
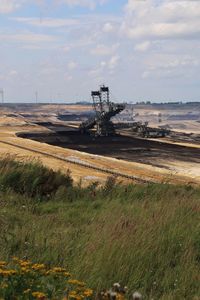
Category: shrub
<point>32,179</point>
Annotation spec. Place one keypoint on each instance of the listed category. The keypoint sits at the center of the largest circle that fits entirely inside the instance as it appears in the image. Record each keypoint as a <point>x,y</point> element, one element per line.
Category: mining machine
<point>104,110</point>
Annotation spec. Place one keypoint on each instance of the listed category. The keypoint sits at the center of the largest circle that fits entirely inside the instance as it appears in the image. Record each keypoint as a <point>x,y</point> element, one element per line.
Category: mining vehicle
<point>100,124</point>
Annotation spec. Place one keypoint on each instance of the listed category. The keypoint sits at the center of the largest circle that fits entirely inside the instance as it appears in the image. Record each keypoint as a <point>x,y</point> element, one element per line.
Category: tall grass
<point>146,237</point>
<point>31,179</point>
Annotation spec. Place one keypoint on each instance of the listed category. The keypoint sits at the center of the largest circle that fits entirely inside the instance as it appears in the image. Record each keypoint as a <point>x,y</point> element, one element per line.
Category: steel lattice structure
<point>104,110</point>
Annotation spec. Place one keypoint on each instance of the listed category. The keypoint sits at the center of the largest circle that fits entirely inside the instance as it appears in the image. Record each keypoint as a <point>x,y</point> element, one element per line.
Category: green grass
<point>146,237</point>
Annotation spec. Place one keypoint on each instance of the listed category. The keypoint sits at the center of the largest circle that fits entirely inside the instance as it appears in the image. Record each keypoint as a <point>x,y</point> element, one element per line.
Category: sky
<point>144,50</point>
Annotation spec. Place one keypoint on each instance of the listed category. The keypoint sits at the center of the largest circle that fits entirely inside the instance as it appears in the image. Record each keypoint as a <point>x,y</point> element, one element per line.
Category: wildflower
<point>137,296</point>
<point>120,296</point>
<point>7,272</point>
<point>72,293</point>
<point>76,282</point>
<point>58,270</point>
<point>76,297</point>
<point>38,267</point>
<point>15,258</point>
<point>119,289</point>
<point>25,270</point>
<point>88,293</point>
<point>112,295</point>
<point>25,263</point>
<point>116,287</point>
<point>79,297</point>
<point>39,295</point>
<point>3,263</point>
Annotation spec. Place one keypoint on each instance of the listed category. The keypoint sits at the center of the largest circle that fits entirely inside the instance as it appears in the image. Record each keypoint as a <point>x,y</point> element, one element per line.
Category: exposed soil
<point>175,158</point>
<point>120,147</point>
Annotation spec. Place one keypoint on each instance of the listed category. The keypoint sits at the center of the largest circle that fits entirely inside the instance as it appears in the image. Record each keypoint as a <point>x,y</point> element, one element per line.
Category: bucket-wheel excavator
<point>104,110</point>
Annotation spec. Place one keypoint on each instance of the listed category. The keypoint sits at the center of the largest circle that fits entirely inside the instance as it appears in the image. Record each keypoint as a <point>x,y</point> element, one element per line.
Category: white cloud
<point>166,19</point>
<point>13,73</point>
<point>166,31</point>
<point>48,22</point>
<point>68,77</point>
<point>114,61</point>
<point>66,48</point>
<point>172,61</point>
<point>108,27</point>
<point>72,65</point>
<point>103,64</point>
<point>28,37</point>
<point>105,67</point>
<point>169,65</point>
<point>8,6</point>
<point>85,3</point>
<point>8,75</point>
<point>104,50</point>
<point>142,46</point>
<point>158,40</point>
<point>163,33</point>
<point>38,46</point>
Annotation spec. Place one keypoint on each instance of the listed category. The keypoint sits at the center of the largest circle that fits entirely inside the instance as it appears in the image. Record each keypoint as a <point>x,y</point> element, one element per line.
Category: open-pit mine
<point>138,143</point>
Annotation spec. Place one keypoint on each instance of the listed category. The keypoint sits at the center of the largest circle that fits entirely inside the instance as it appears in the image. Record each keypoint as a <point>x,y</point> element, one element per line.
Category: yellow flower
<point>3,263</point>
<point>58,270</point>
<point>77,282</point>
<point>55,271</point>
<point>72,293</point>
<point>7,272</point>
<point>38,267</point>
<point>25,270</point>
<point>120,296</point>
<point>77,297</point>
<point>88,292</point>
<point>25,263</point>
<point>72,296</point>
<point>39,295</point>
<point>14,258</point>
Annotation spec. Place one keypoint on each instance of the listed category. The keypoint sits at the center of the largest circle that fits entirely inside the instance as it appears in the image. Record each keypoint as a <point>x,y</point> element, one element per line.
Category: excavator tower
<point>104,110</point>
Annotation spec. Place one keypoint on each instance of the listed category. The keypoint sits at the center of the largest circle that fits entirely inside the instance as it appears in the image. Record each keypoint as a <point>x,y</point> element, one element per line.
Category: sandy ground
<point>175,174</point>
<point>176,171</point>
<point>184,118</point>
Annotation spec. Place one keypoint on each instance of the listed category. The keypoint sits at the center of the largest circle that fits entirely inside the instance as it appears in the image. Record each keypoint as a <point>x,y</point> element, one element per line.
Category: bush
<point>32,179</point>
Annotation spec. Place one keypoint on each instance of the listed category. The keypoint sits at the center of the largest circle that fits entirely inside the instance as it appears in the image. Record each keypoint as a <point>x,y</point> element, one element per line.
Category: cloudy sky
<point>143,49</point>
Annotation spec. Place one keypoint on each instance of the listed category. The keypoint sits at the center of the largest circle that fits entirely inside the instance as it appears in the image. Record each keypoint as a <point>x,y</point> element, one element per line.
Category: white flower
<point>137,296</point>
<point>116,285</point>
<point>112,294</point>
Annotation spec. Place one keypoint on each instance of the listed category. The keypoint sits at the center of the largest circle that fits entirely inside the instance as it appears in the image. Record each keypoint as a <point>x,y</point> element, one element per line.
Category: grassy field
<point>146,237</point>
